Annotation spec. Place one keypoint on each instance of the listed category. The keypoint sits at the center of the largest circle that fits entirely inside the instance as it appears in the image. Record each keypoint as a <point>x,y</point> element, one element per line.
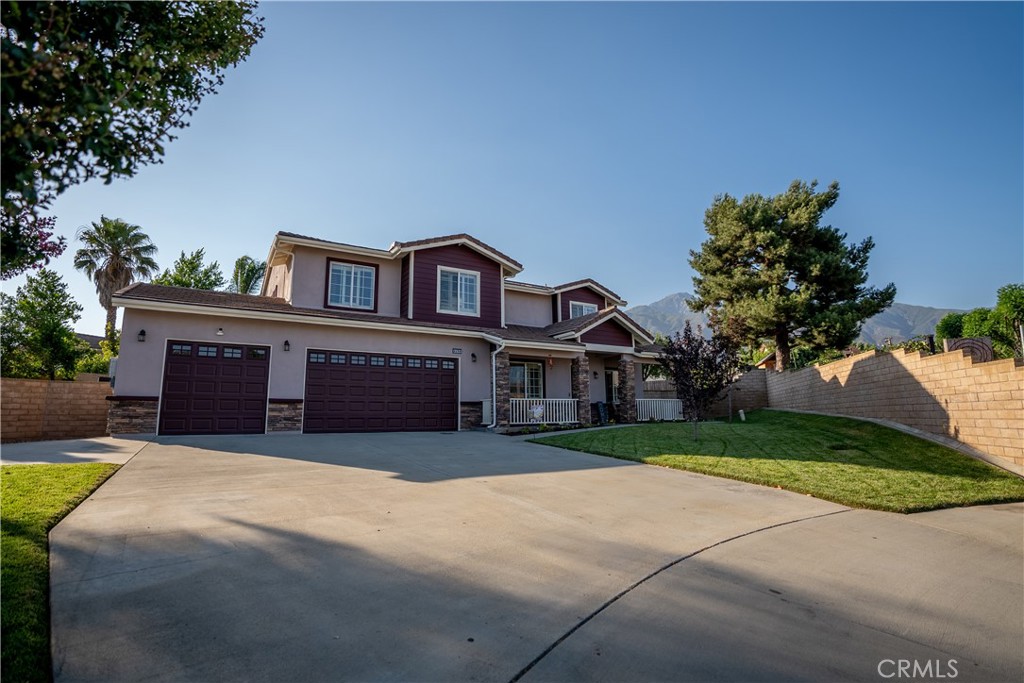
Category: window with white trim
<point>578,309</point>
<point>525,380</point>
<point>351,285</point>
<point>458,291</point>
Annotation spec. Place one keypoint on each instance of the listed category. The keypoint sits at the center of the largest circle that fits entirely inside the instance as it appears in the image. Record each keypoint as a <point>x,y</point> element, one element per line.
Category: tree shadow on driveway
<point>418,457</point>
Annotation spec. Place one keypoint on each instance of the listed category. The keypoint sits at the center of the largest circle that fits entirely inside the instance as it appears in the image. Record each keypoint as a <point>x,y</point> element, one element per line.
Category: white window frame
<point>355,267</point>
<point>527,366</point>
<point>589,308</point>
<point>460,272</point>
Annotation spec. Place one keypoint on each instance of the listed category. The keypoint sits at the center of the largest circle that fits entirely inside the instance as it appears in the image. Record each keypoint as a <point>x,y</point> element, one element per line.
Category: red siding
<point>403,299</point>
<point>424,277</point>
<point>611,333</point>
<point>583,295</point>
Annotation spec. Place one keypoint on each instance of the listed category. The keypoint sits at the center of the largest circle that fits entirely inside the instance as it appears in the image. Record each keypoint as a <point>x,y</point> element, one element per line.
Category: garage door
<point>350,391</point>
<point>214,388</point>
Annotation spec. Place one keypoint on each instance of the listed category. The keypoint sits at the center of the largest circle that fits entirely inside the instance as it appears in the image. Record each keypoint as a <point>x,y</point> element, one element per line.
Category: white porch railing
<point>543,411</point>
<point>648,409</point>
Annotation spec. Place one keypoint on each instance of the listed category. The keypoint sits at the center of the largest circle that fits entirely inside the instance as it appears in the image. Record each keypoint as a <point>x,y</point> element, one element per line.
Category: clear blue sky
<point>587,139</point>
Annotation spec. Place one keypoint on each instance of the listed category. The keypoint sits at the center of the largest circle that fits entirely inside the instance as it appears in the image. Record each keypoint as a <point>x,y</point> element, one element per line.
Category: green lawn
<point>854,463</point>
<point>33,498</point>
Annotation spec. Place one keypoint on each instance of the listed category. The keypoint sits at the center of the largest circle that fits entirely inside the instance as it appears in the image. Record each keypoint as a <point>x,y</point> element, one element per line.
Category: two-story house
<point>435,334</point>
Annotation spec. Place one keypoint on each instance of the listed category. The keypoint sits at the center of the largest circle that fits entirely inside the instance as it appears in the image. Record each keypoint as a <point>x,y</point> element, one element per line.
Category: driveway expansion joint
<point>621,594</point>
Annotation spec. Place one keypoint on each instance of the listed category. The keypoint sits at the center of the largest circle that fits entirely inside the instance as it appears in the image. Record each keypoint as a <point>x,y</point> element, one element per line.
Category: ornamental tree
<point>190,271</point>
<point>700,368</point>
<point>770,270</point>
<point>97,89</point>
<point>27,241</point>
<point>36,335</point>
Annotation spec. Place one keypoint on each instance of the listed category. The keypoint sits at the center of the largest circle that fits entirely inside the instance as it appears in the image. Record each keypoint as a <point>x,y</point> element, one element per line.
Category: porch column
<point>503,404</point>
<point>627,389</point>
<point>580,379</point>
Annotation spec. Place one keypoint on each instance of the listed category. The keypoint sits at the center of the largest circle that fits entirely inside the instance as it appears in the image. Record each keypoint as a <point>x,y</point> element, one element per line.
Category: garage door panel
<point>211,393</point>
<point>377,392</point>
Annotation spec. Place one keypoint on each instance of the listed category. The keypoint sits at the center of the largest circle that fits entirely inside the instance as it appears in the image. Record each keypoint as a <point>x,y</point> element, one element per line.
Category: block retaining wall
<point>978,404</point>
<point>41,410</point>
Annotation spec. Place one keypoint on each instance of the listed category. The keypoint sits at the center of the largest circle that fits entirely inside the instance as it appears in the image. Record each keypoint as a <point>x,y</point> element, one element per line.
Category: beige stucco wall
<point>527,309</point>
<point>597,364</point>
<point>140,366</point>
<point>310,265</point>
<point>278,282</point>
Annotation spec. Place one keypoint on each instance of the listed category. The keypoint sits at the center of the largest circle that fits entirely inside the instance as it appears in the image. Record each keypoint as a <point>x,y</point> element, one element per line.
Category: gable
<point>609,333</point>
<point>424,268</point>
<point>583,295</point>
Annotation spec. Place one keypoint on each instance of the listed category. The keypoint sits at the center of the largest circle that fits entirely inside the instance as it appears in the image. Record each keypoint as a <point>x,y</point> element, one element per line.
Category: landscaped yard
<point>854,463</point>
<point>34,499</point>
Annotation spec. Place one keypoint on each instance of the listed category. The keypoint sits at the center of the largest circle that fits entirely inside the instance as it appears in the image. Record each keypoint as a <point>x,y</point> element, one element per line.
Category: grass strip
<point>846,461</point>
<point>33,498</point>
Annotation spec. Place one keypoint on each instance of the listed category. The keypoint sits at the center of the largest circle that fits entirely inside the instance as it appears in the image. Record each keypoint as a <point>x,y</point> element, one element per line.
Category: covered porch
<point>592,387</point>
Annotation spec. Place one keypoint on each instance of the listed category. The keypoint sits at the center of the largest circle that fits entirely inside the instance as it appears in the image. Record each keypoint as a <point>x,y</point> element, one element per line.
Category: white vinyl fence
<point>648,409</point>
<point>543,411</point>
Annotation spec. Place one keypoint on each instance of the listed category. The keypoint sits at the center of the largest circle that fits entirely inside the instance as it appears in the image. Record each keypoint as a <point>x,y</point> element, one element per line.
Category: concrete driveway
<point>470,556</point>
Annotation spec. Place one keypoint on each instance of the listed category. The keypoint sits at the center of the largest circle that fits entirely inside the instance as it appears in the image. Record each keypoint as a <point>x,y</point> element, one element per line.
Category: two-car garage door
<point>214,388</point>
<point>376,392</point>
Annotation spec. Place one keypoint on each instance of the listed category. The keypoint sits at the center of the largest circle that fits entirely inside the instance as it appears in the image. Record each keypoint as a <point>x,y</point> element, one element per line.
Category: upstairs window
<point>578,310</point>
<point>458,291</point>
<point>350,285</point>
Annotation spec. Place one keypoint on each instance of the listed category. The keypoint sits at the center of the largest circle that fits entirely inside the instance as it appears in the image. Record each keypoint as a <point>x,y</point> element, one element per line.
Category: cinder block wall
<point>979,404</point>
<point>39,410</point>
<point>750,392</point>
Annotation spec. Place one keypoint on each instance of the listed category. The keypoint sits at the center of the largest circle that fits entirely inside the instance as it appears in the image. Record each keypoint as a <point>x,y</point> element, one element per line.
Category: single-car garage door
<point>349,391</point>
<point>214,388</point>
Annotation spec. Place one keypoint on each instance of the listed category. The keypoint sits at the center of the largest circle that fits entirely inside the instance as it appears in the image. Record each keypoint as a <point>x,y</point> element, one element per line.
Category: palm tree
<point>248,275</point>
<point>115,254</point>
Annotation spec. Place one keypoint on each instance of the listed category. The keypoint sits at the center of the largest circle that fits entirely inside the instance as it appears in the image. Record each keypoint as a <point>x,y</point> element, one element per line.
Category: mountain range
<point>899,322</point>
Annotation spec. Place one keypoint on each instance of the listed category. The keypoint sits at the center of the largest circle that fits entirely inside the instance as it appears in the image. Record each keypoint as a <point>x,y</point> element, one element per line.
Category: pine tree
<point>771,270</point>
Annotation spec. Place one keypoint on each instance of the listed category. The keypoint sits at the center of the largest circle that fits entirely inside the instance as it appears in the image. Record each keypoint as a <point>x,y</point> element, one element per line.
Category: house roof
<point>463,239</point>
<point>181,298</point>
<point>593,284</point>
<point>586,282</point>
<point>574,327</point>
<point>93,340</point>
<point>529,287</point>
<point>400,248</point>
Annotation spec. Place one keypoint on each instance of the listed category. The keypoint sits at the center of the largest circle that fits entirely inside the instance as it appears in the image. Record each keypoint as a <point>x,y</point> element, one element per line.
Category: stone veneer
<point>502,400</point>
<point>627,390</point>
<point>471,414</point>
<point>132,414</point>
<point>284,415</point>
<point>580,387</point>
